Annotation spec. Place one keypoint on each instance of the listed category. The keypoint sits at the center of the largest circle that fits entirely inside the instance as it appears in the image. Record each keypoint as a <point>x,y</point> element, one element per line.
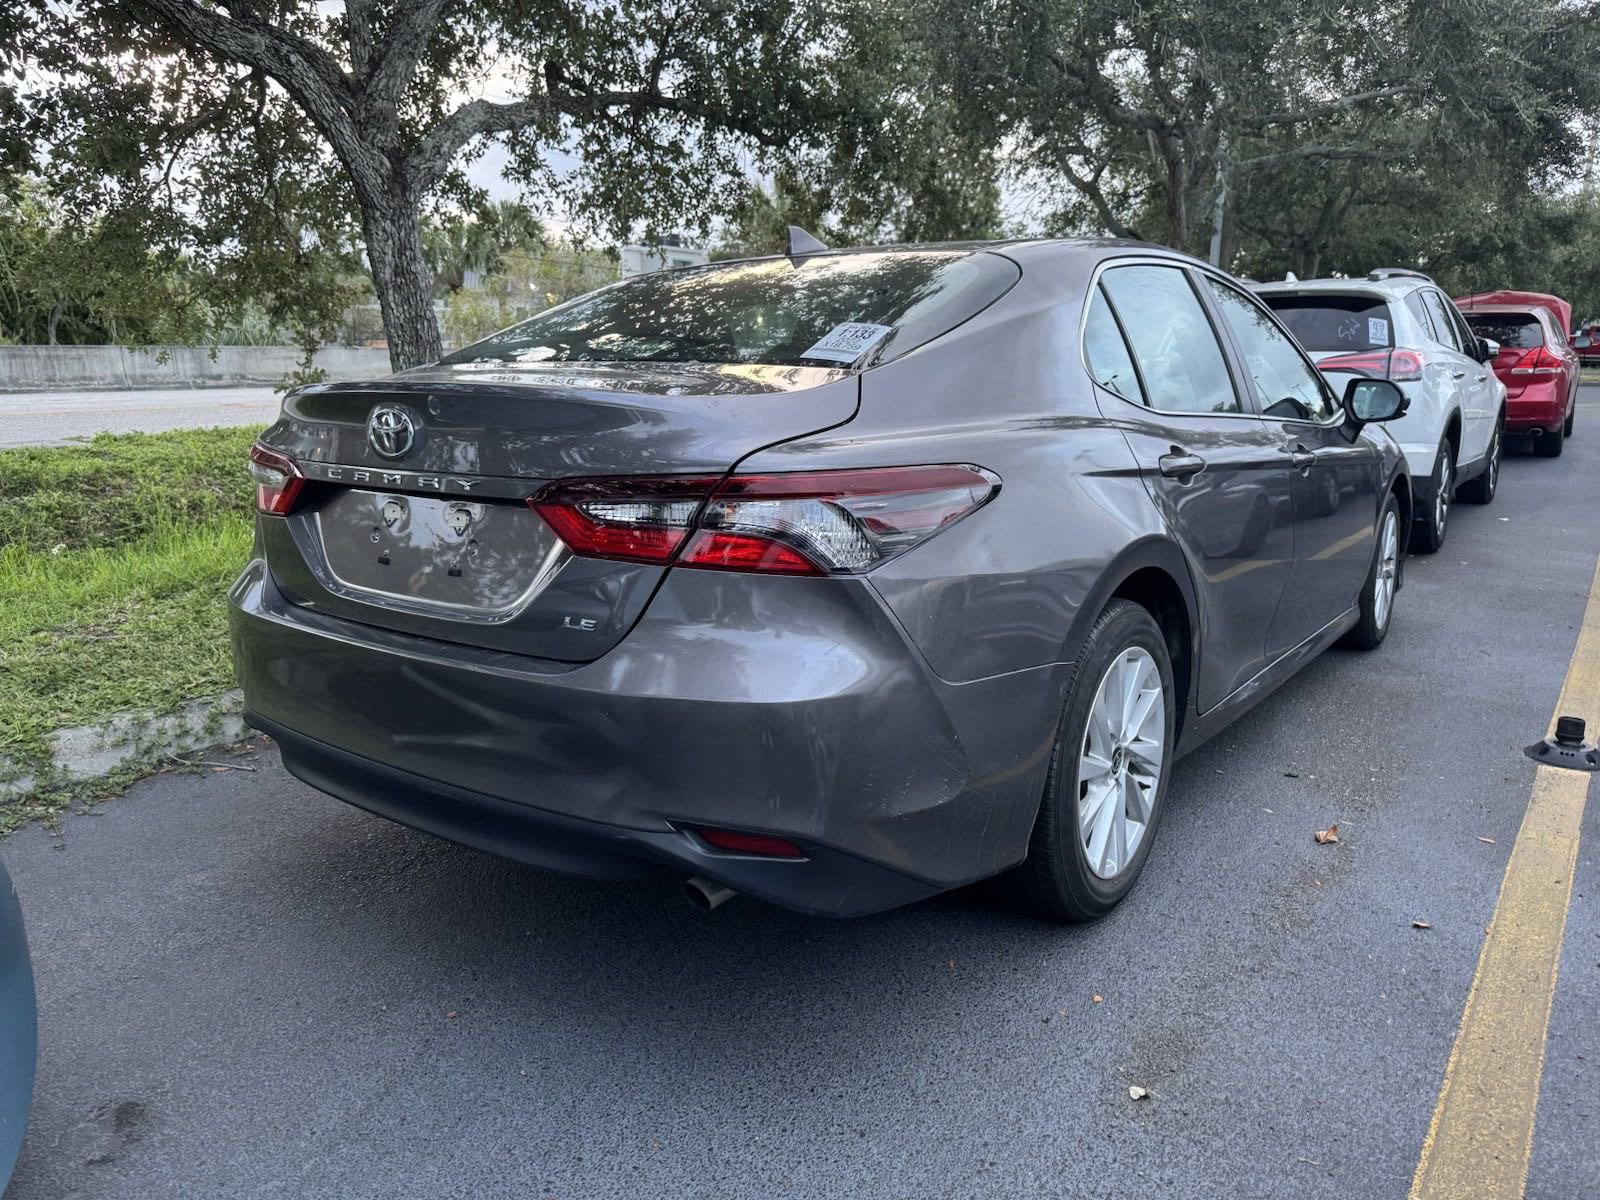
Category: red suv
<point>1589,351</point>
<point>1536,362</point>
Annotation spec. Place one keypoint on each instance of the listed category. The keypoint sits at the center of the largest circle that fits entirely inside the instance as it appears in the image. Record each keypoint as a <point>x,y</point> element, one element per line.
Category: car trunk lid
<point>414,513</point>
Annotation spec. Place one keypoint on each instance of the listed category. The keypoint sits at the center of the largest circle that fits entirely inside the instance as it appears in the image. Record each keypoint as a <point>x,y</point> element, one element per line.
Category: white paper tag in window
<point>1377,331</point>
<point>847,342</point>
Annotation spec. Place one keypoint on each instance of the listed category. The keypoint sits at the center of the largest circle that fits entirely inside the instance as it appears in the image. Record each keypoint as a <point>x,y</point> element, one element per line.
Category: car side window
<point>1464,335</point>
<point>1109,360</point>
<point>1172,340</point>
<point>1286,386</point>
<point>1444,329</point>
<point>1419,310</point>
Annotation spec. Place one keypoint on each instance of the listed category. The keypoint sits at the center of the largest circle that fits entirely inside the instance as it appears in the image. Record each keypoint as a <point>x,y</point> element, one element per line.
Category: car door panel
<point>1333,475</point>
<point>1212,467</point>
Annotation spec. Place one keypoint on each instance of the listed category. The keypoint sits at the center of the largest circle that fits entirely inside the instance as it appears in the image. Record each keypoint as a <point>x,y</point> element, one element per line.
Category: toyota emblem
<point>391,430</point>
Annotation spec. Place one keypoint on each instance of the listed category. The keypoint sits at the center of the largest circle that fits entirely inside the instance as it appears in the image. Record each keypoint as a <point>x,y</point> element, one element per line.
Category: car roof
<point>1387,289</point>
<point>1020,249</point>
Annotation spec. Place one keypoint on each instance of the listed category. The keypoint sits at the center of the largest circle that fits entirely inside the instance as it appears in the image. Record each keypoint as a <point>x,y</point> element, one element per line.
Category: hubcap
<point>1120,761</point>
<point>1388,564</point>
<point>1494,462</point>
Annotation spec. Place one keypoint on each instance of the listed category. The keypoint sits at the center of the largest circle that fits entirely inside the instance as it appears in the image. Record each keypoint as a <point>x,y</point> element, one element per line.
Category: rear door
<point>1211,464</point>
<point>1334,474</point>
<point>1469,378</point>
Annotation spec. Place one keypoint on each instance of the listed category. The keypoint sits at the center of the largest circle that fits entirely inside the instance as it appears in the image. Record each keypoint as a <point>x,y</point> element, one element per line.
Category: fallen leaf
<point>1316,883</point>
<point>1487,841</point>
<point>1097,999</point>
<point>1135,1092</point>
<point>1268,811</point>
<point>450,1016</point>
<point>1330,834</point>
<point>1419,923</point>
<point>952,964</point>
<point>1291,774</point>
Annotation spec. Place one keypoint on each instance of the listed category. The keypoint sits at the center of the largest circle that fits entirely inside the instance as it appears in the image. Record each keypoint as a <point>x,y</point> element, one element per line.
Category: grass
<point>115,558</point>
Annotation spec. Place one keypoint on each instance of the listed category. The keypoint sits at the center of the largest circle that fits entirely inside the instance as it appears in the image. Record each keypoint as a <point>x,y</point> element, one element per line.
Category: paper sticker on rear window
<point>847,342</point>
<point>1377,331</point>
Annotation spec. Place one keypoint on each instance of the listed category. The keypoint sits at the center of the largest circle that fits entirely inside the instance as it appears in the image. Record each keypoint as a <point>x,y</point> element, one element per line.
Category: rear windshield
<point>829,309</point>
<point>1334,322</point>
<point>1521,330</point>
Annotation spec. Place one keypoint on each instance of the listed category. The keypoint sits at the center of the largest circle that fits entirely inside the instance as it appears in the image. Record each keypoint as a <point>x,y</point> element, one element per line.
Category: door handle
<point>1481,378</point>
<point>1458,374</point>
<point>1180,465</point>
<point>1300,457</point>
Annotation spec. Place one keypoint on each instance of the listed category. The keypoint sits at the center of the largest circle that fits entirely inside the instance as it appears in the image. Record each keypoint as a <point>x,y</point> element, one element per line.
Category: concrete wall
<point>57,368</point>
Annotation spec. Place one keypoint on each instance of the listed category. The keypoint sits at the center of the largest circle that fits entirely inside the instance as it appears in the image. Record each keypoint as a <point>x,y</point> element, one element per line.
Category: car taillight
<point>799,523</point>
<point>1538,361</point>
<point>278,480</point>
<point>1402,366</point>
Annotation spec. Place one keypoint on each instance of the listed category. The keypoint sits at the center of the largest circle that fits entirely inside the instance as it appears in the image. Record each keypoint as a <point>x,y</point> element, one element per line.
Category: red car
<point>1589,352</point>
<point>1536,362</point>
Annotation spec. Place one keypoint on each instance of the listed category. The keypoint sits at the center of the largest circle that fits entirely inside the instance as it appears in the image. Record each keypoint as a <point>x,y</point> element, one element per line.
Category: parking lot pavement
<point>54,418</point>
<point>250,990</point>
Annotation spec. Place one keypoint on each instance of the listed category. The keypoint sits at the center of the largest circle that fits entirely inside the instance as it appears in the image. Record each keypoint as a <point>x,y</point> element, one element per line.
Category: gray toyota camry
<point>835,578</point>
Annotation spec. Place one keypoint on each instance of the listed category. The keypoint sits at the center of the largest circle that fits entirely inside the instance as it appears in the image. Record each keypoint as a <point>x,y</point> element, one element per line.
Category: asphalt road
<point>55,418</point>
<point>250,990</point>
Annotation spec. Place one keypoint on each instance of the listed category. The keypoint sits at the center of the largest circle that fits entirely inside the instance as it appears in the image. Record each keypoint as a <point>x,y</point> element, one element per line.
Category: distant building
<point>668,254</point>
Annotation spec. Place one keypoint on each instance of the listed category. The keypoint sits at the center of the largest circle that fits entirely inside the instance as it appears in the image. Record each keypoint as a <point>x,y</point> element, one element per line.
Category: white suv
<point>1396,324</point>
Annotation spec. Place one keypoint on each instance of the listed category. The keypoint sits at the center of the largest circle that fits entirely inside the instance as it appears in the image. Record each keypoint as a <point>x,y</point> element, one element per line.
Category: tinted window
<point>1509,329</point>
<point>1285,385</point>
<point>1420,311</point>
<point>1444,329</point>
<point>1172,340</point>
<point>1107,353</point>
<point>1342,323</point>
<point>766,311</point>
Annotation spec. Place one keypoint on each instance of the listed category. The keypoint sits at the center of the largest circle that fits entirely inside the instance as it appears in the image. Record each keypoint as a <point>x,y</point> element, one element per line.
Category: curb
<point>90,751</point>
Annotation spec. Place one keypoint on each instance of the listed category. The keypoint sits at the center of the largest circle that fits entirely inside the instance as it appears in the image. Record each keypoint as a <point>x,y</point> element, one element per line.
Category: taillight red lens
<point>1402,366</point>
<point>632,520</point>
<point>799,523</point>
<point>1538,361</point>
<point>735,842</point>
<point>277,478</point>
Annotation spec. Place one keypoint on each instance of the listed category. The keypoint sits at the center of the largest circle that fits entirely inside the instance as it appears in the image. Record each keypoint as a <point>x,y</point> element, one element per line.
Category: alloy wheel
<point>1384,580</point>
<point>1494,462</point>
<point>1441,503</point>
<point>1121,761</point>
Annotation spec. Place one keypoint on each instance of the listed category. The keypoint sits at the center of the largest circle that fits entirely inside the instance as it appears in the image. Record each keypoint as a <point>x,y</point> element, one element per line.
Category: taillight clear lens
<point>278,480</point>
<point>801,523</point>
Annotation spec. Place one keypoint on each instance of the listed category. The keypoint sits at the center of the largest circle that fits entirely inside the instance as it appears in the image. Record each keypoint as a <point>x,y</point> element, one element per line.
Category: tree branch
<point>1298,116</point>
<point>402,47</point>
<point>358,16</point>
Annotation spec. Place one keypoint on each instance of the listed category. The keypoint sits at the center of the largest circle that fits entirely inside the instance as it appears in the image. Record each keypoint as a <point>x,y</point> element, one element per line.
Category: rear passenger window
<point>1444,329</point>
<point>1172,340</point>
<point>1107,353</point>
<point>1419,310</point>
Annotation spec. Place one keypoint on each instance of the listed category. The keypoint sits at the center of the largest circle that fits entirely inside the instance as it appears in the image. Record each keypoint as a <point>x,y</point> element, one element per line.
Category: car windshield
<point>1343,323</point>
<point>1521,330</point>
<point>826,309</point>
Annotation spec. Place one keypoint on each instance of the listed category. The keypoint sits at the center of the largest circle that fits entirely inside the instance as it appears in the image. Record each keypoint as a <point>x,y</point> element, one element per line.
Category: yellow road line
<point>1481,1137</point>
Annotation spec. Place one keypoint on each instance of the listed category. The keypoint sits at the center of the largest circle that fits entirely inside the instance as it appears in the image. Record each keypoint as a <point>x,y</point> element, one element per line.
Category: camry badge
<point>391,430</point>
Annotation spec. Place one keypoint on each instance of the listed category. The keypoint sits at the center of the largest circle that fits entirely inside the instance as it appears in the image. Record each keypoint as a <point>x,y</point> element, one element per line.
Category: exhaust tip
<point>703,895</point>
<point>1536,431</point>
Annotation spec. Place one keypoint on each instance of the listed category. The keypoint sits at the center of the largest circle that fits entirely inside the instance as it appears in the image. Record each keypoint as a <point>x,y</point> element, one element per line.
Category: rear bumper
<point>1540,405</point>
<point>832,733</point>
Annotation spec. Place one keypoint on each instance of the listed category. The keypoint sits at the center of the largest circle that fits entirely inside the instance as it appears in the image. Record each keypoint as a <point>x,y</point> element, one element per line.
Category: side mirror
<point>1369,400</point>
<point>1582,342</point>
<point>1488,348</point>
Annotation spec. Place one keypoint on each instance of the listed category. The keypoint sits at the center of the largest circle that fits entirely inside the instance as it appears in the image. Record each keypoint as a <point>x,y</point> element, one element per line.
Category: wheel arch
<point>1154,574</point>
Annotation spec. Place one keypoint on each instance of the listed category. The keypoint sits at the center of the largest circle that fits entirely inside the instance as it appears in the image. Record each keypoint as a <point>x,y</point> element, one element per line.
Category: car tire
<point>1551,443</point>
<point>1572,416</point>
<point>1388,566</point>
<point>1124,655</point>
<point>1433,518</point>
<point>1482,489</point>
